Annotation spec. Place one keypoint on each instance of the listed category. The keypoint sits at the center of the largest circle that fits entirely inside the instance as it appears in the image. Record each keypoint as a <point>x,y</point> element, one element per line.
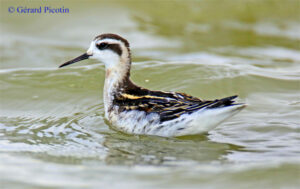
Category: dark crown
<point>113,36</point>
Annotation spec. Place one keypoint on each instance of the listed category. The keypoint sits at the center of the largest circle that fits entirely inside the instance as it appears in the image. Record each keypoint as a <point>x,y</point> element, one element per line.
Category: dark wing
<point>188,106</point>
<point>167,104</point>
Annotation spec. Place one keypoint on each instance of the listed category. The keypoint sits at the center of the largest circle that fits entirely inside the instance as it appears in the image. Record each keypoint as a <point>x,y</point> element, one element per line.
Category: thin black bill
<point>79,58</point>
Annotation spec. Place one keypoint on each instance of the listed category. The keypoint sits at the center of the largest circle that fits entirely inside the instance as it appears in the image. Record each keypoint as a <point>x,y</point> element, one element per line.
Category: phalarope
<point>136,110</point>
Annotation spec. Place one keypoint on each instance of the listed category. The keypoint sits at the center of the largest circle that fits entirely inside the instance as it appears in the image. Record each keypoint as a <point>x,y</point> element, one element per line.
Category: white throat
<point>116,73</point>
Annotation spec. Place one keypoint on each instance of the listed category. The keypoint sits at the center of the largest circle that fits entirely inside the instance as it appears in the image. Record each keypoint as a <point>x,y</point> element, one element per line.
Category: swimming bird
<point>135,110</point>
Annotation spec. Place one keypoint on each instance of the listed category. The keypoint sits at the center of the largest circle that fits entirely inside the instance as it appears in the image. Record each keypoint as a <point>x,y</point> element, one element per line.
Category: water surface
<point>52,128</point>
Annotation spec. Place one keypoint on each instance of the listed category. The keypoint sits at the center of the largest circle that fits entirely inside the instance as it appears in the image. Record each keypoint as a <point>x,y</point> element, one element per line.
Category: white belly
<point>202,121</point>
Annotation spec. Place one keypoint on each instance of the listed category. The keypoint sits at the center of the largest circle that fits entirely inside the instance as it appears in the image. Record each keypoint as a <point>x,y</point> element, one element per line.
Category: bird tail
<point>224,102</point>
<point>210,117</point>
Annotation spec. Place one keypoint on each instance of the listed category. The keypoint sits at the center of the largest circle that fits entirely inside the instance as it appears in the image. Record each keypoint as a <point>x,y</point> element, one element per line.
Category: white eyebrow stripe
<point>109,41</point>
<point>113,41</point>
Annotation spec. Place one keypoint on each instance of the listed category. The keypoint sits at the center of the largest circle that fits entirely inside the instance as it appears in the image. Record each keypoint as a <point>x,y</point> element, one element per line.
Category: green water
<point>52,130</point>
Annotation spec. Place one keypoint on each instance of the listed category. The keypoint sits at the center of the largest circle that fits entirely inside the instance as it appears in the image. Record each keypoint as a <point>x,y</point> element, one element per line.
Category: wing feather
<point>168,105</point>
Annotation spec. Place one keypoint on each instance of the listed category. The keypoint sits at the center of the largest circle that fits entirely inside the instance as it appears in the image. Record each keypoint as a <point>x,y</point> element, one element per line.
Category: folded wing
<point>167,104</point>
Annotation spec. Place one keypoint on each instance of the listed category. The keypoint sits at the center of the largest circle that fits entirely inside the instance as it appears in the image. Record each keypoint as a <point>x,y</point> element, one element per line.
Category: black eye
<point>102,46</point>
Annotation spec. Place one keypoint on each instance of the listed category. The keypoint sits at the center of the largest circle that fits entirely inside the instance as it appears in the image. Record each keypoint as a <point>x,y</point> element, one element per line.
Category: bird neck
<point>116,80</point>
